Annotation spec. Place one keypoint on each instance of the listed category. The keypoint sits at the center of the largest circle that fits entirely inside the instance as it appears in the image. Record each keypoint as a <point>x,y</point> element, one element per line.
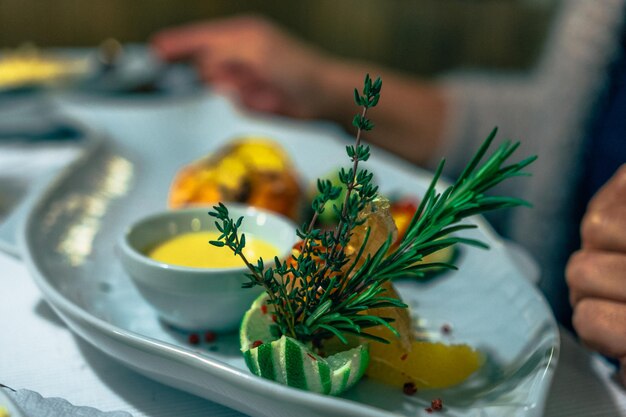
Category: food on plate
<point>27,66</point>
<point>291,362</point>
<point>426,365</point>
<point>401,210</point>
<point>330,310</point>
<point>252,170</point>
<point>329,217</point>
<point>190,250</point>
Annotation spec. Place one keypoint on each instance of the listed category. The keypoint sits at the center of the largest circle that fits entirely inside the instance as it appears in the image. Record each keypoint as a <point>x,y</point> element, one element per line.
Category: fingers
<point>614,191</point>
<point>249,58</point>
<point>220,34</point>
<point>231,54</point>
<point>595,274</point>
<point>224,68</point>
<point>601,324</point>
<point>604,223</point>
<point>604,227</point>
<point>180,43</point>
<point>246,80</point>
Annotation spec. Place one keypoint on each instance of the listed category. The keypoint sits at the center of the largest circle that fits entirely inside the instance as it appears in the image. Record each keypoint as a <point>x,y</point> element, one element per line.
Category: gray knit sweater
<point>548,110</point>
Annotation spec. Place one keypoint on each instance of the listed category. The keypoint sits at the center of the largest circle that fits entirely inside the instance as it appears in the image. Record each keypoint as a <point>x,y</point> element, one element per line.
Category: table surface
<point>38,352</point>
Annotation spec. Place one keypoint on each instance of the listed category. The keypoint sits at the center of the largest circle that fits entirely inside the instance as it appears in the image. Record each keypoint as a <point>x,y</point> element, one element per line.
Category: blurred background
<point>421,36</point>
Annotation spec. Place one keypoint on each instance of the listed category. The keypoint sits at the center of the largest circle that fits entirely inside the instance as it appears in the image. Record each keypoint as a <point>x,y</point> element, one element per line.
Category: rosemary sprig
<point>321,291</point>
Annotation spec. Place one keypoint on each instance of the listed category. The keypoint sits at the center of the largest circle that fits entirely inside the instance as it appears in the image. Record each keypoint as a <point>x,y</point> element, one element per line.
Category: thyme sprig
<point>322,290</point>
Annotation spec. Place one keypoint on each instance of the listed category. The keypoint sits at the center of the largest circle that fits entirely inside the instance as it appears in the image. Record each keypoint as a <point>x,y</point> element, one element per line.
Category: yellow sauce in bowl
<point>194,250</point>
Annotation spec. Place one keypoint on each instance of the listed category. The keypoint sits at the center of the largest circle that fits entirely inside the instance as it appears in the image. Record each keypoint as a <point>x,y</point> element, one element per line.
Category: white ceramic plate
<point>35,143</point>
<point>68,244</point>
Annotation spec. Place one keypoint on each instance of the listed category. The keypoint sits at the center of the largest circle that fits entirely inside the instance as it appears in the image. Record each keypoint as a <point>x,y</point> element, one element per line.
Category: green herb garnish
<point>322,291</point>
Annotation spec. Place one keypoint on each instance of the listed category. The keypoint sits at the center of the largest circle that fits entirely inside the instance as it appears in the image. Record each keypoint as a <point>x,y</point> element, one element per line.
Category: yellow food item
<point>426,365</point>
<point>27,65</point>
<point>401,321</point>
<point>402,213</point>
<point>4,412</point>
<point>405,360</point>
<point>442,255</point>
<point>193,250</point>
<point>378,220</point>
<point>381,224</point>
<point>252,170</point>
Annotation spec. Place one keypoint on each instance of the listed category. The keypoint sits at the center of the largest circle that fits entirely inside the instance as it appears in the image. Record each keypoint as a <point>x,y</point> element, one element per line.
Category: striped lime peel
<point>290,362</point>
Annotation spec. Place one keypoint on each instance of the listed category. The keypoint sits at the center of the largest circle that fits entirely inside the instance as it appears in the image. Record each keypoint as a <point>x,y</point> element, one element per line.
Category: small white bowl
<point>198,298</point>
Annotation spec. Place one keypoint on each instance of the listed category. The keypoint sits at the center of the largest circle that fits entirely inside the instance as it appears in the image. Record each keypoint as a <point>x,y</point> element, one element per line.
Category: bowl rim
<point>126,249</point>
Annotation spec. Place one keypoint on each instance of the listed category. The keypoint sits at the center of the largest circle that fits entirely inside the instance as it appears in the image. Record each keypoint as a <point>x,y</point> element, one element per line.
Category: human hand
<point>596,274</point>
<point>266,68</point>
<point>269,70</point>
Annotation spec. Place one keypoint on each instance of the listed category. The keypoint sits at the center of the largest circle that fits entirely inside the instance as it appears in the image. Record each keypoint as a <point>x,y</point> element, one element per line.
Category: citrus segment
<point>402,212</point>
<point>401,320</point>
<point>427,365</point>
<point>442,255</point>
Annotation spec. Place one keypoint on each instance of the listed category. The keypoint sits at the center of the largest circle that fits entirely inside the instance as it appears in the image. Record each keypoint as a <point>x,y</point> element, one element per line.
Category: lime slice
<point>290,362</point>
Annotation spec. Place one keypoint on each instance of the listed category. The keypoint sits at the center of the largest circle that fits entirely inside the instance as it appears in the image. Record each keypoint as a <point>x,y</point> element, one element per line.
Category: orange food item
<point>428,365</point>
<point>380,223</point>
<point>255,171</point>
<point>401,322</point>
<point>402,212</point>
<point>420,364</point>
